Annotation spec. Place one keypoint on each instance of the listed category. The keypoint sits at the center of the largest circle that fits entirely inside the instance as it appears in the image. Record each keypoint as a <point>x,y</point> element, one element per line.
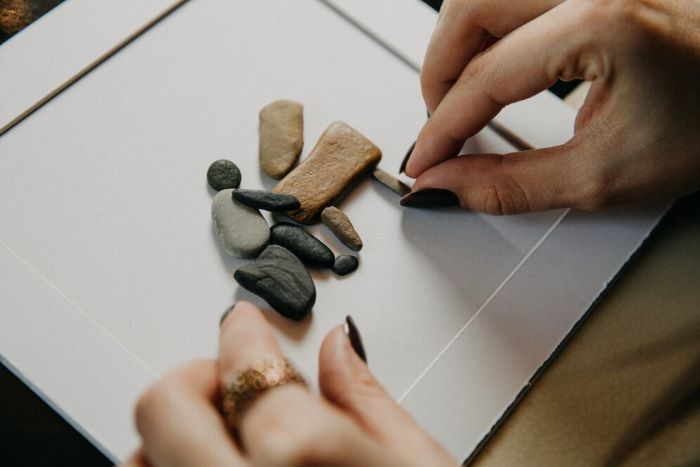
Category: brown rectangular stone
<point>340,157</point>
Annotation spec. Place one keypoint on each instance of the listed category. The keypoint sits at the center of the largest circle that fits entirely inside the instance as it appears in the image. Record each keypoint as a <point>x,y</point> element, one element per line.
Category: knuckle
<point>501,194</point>
<point>595,194</point>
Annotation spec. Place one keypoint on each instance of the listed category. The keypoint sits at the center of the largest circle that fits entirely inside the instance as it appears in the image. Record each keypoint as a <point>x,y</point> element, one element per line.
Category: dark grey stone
<point>223,174</point>
<point>282,280</point>
<point>309,249</point>
<point>267,200</point>
<point>345,264</point>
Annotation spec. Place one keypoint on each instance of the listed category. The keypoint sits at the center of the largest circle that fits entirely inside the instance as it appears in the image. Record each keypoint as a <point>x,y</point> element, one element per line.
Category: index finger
<point>522,64</point>
<point>463,29</point>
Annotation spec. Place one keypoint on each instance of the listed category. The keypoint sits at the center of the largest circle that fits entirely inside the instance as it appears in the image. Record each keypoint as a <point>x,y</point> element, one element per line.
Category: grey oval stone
<point>267,200</point>
<point>281,279</point>
<point>345,264</point>
<point>243,231</point>
<point>223,174</point>
<point>309,249</point>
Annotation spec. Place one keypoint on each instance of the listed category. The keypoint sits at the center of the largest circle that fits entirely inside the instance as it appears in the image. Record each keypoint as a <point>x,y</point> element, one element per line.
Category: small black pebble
<point>345,264</point>
<point>267,200</point>
<point>223,174</point>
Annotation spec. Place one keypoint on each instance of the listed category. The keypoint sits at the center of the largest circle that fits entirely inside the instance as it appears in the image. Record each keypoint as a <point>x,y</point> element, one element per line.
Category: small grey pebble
<point>267,200</point>
<point>282,280</point>
<point>223,174</point>
<point>345,264</point>
<point>309,249</point>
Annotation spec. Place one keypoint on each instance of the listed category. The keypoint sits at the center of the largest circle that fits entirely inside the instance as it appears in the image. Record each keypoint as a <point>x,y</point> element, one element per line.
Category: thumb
<point>525,181</point>
<point>346,381</point>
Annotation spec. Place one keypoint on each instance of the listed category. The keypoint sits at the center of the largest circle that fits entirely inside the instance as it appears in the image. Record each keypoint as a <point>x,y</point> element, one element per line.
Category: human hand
<point>353,423</point>
<point>637,136</point>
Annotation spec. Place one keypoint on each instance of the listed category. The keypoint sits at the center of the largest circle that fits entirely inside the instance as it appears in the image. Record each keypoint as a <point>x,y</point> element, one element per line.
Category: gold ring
<point>249,384</point>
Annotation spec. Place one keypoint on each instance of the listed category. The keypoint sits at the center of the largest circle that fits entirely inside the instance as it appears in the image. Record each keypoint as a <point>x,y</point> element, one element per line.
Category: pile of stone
<point>305,193</point>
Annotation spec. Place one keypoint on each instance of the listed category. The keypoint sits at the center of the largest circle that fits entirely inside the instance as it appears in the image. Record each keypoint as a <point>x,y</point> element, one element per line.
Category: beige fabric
<point>626,357</point>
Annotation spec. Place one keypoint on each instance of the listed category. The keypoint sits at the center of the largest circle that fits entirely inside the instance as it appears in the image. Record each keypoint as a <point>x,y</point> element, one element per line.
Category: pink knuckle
<point>501,198</point>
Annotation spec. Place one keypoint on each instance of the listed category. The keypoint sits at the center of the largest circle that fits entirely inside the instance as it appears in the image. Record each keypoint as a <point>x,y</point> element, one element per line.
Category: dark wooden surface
<point>31,433</point>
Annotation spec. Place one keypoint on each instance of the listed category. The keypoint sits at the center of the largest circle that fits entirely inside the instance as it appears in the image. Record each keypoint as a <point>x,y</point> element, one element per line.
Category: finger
<point>514,183</point>
<point>522,64</point>
<point>463,30</point>
<point>287,425</point>
<point>345,380</point>
<point>179,422</point>
<point>245,337</point>
<point>137,459</point>
<point>290,427</point>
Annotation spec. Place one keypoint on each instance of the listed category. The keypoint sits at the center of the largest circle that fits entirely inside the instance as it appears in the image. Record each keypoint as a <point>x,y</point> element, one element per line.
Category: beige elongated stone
<point>281,136</point>
<point>340,157</point>
<point>391,182</point>
<point>339,223</point>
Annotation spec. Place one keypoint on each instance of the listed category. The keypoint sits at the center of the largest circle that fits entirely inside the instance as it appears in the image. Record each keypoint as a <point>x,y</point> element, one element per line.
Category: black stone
<point>309,249</point>
<point>282,280</point>
<point>223,174</point>
<point>345,264</point>
<point>267,200</point>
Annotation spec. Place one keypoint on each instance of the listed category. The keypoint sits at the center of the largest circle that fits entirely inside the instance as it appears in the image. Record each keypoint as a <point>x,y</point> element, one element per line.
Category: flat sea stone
<point>281,137</point>
<point>267,200</point>
<point>223,174</point>
<point>345,264</point>
<point>281,279</point>
<point>242,231</point>
<point>309,249</point>
<point>341,156</point>
<point>340,225</point>
<point>391,182</point>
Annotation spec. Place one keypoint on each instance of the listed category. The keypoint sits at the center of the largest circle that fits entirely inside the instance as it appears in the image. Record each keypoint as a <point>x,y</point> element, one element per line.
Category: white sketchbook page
<point>106,213</point>
<point>497,351</point>
<point>51,50</point>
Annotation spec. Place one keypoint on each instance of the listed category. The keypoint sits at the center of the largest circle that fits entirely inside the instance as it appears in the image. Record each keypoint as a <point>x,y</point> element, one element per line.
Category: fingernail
<point>406,157</point>
<point>427,113</point>
<point>355,339</point>
<point>430,198</point>
<point>223,317</point>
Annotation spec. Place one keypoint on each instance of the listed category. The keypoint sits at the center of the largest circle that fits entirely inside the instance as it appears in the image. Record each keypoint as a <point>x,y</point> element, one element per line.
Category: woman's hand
<point>637,137</point>
<point>353,423</point>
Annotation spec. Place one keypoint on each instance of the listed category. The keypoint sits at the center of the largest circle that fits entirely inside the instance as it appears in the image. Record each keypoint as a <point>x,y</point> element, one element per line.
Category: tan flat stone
<point>339,223</point>
<point>340,157</point>
<point>281,137</point>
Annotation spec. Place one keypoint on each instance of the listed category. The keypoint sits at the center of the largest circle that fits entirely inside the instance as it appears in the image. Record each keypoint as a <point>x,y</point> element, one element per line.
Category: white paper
<point>114,275</point>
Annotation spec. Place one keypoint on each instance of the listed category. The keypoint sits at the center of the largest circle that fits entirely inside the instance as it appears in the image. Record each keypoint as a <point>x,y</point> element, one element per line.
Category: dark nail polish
<point>430,198</point>
<point>355,339</point>
<point>223,317</point>
<point>406,157</point>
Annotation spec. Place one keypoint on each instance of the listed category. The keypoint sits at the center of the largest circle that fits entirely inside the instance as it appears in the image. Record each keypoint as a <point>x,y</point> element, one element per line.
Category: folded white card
<point>111,271</point>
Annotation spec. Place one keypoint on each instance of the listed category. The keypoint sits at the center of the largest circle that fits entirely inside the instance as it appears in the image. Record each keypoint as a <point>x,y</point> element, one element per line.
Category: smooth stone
<point>223,174</point>
<point>340,225</point>
<point>242,231</point>
<point>281,137</point>
<point>281,279</point>
<point>391,182</point>
<point>345,264</point>
<point>340,158</point>
<point>309,249</point>
<point>267,200</point>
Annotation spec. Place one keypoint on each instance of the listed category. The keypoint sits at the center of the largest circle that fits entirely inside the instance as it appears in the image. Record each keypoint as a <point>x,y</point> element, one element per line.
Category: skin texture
<point>636,137</point>
<point>353,422</point>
